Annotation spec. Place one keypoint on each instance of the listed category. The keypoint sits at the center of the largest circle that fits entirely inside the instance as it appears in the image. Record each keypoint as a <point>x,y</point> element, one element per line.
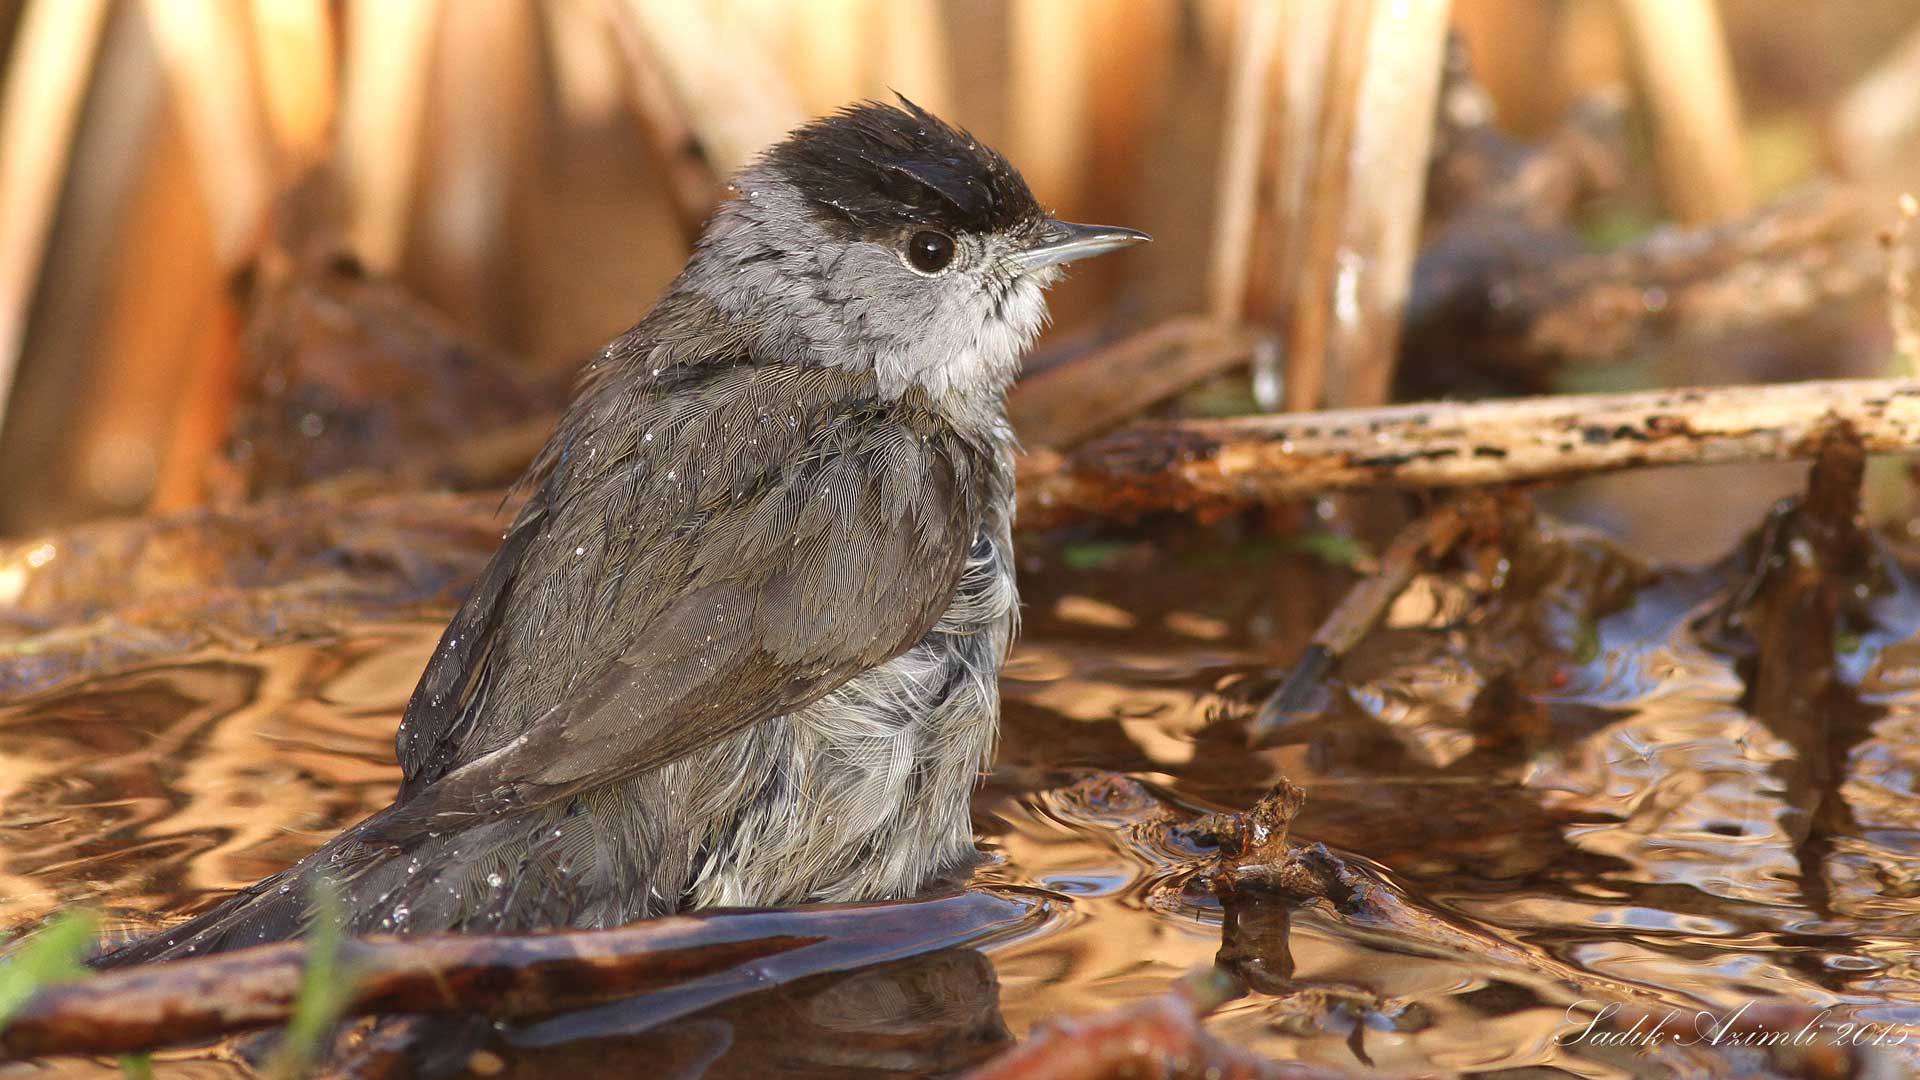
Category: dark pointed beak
<point>1059,242</point>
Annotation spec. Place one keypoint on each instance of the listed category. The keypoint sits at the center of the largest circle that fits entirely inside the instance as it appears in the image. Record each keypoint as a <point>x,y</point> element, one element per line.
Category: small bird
<point>741,646</point>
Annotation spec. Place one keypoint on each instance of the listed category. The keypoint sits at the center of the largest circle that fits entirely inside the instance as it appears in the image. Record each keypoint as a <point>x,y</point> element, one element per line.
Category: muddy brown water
<point>1614,815</point>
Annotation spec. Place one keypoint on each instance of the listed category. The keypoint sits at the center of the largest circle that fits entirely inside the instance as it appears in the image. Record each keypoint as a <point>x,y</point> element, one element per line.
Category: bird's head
<point>882,237</point>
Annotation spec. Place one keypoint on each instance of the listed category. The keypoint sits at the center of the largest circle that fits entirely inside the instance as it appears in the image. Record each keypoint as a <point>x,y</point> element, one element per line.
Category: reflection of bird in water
<point>932,1014</point>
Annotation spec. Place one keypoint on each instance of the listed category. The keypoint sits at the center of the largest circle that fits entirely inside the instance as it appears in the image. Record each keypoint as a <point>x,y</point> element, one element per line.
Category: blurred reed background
<point>534,168</point>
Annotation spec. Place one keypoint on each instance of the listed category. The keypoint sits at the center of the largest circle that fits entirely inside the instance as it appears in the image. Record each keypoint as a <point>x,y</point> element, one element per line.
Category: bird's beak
<point>1057,242</point>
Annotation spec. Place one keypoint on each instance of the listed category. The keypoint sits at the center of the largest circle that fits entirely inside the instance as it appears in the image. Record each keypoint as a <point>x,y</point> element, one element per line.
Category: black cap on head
<point>879,167</point>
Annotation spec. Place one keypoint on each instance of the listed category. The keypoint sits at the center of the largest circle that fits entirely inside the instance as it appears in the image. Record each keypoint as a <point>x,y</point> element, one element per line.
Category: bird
<point>741,645</point>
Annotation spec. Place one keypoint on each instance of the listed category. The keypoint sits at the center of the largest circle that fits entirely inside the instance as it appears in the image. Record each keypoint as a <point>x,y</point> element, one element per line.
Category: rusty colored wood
<point>1212,465</point>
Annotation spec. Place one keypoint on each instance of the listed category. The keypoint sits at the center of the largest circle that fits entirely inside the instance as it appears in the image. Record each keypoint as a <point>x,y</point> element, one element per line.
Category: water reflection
<point>935,1014</point>
<point>1578,780</point>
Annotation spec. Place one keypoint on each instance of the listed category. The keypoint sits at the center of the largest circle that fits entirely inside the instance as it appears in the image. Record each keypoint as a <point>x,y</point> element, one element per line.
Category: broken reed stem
<point>1218,465</point>
<point>1249,105</point>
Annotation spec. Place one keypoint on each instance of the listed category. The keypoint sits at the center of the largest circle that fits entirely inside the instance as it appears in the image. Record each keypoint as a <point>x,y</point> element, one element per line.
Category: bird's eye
<point>929,251</point>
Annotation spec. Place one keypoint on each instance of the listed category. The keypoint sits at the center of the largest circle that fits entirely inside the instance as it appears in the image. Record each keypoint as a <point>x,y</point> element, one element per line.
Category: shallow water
<point>1612,819</point>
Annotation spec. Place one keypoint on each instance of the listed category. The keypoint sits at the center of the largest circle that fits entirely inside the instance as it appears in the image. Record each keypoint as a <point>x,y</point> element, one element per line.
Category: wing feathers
<point>710,553</point>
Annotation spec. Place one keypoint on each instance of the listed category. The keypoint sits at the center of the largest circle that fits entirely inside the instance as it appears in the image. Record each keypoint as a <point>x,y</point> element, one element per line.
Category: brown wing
<point>727,551</point>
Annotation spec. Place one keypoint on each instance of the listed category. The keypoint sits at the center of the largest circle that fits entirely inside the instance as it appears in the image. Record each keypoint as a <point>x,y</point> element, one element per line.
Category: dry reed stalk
<point>155,345</point>
<point>387,62</point>
<point>477,138</point>
<point>721,75</point>
<point>1050,92</point>
<point>678,158</point>
<point>1276,111</point>
<point>1250,104</point>
<point>827,53</point>
<point>1686,80</point>
<point>1326,191</point>
<point>294,43</point>
<point>587,76</point>
<point>203,47</point>
<point>1386,186</point>
<point>46,85</point>
<point>1503,41</point>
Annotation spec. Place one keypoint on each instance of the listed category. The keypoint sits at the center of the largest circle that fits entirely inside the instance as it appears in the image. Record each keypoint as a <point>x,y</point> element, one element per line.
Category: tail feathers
<point>521,873</point>
<point>278,908</point>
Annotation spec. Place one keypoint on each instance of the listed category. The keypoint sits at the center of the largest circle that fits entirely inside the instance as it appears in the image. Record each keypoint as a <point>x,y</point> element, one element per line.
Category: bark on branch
<point>1218,465</point>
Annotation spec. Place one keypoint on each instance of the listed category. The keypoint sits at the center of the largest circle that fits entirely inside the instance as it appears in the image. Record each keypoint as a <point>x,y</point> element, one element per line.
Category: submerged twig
<point>712,957</point>
<point>1426,539</point>
<point>1258,862</point>
<point>1216,465</point>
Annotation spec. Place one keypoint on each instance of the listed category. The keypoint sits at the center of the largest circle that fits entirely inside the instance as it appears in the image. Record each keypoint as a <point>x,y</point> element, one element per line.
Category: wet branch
<point>1221,465</point>
<point>709,958</point>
